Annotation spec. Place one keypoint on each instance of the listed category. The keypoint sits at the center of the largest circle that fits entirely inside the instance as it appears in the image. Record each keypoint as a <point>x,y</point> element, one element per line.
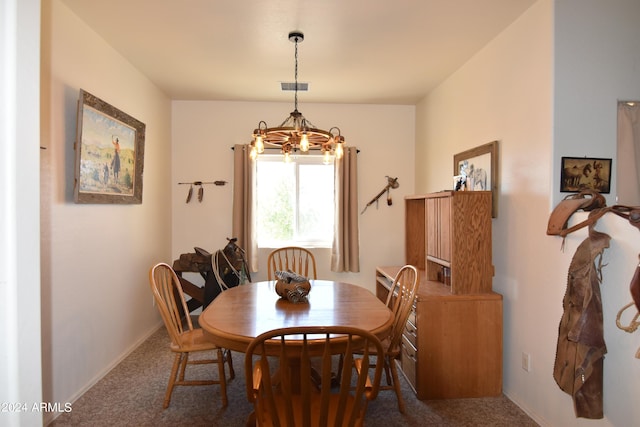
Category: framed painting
<point>109,154</point>
<point>479,166</point>
<point>578,173</point>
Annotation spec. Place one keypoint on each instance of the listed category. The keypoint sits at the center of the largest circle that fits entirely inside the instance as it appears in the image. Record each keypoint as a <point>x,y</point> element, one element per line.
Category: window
<point>295,201</point>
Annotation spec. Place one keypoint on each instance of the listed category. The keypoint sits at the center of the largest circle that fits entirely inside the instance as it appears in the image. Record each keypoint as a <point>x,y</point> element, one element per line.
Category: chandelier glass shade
<point>296,133</point>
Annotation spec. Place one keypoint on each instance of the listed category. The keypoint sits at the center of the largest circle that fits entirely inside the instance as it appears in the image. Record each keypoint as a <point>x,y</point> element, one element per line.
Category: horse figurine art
<point>571,177</point>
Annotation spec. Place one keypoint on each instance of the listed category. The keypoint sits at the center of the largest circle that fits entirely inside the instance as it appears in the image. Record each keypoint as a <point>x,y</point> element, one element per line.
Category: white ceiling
<point>355,51</point>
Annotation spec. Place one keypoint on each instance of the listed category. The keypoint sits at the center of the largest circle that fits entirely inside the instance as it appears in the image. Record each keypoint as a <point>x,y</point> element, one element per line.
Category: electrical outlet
<point>526,361</point>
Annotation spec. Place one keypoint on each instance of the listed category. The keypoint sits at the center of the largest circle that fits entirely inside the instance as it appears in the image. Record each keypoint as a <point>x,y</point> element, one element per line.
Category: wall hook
<point>199,184</point>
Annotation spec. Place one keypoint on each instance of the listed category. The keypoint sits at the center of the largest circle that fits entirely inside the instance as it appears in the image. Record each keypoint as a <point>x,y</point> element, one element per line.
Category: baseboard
<point>50,416</point>
<point>526,410</point>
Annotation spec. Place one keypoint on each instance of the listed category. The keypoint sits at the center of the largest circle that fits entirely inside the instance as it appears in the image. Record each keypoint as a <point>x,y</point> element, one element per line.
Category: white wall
<point>96,302</point>
<point>506,93</point>
<point>20,359</point>
<point>597,64</point>
<point>205,131</point>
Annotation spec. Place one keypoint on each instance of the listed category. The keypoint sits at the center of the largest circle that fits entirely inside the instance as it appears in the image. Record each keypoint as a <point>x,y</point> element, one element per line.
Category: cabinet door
<point>460,347</point>
<point>415,232</point>
<point>439,228</point>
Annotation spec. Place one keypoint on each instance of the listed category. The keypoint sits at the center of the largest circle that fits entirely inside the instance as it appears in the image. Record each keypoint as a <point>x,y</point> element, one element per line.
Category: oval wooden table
<point>240,314</point>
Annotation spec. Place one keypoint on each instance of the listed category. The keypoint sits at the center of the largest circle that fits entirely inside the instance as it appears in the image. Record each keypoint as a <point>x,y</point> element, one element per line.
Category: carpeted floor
<point>133,392</point>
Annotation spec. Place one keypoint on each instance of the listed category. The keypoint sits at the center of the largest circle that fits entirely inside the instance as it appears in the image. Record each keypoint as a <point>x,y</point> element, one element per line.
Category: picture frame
<point>480,166</point>
<point>579,173</point>
<point>109,153</point>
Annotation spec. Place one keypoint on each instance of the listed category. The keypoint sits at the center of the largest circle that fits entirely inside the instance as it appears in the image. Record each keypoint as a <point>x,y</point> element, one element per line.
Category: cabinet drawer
<point>409,361</point>
<point>411,334</point>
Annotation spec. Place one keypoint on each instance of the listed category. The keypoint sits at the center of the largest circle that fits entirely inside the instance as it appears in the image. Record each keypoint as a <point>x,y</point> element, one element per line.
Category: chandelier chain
<point>296,77</point>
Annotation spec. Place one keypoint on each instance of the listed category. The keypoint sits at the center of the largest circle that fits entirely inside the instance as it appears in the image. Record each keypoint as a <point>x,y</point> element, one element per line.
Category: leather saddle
<point>589,200</point>
<point>586,200</point>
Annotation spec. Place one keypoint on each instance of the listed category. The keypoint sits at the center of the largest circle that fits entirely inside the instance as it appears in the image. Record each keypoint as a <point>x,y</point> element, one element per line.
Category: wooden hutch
<point>452,343</point>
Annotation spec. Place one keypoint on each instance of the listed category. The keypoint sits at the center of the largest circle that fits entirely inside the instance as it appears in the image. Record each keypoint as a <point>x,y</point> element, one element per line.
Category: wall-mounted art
<point>479,169</point>
<point>109,154</point>
<point>579,173</point>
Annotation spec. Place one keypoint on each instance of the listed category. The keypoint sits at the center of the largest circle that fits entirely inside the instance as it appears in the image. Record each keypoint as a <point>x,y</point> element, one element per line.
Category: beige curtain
<point>244,203</point>
<point>628,172</point>
<point>345,253</point>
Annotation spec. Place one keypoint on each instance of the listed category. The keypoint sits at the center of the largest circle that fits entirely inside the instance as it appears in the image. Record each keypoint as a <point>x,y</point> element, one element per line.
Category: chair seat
<point>296,403</point>
<point>193,340</point>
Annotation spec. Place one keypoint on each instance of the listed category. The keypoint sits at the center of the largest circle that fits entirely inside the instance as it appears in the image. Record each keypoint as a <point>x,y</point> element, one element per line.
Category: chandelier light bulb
<point>304,142</point>
<point>259,145</point>
<point>339,150</point>
<point>326,157</point>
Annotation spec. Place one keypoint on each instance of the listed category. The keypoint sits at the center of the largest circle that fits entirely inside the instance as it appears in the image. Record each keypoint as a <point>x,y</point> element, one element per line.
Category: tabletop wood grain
<point>240,314</point>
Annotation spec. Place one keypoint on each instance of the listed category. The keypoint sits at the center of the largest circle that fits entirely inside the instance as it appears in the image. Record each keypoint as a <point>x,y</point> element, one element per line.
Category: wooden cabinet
<point>452,343</point>
<point>454,237</point>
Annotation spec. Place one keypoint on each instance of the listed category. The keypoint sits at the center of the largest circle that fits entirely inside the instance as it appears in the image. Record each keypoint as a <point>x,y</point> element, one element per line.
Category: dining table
<point>240,314</point>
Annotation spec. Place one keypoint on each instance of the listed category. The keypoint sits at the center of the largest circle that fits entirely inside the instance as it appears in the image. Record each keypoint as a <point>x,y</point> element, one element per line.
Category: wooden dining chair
<point>294,258</point>
<point>185,339</point>
<point>400,301</point>
<point>294,399</point>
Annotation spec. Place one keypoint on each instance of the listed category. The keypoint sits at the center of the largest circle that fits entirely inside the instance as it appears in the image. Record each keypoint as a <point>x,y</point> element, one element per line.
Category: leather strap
<point>593,217</point>
<point>630,213</point>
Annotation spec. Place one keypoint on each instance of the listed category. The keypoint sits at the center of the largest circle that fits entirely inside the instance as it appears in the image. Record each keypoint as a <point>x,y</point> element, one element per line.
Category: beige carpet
<point>133,392</point>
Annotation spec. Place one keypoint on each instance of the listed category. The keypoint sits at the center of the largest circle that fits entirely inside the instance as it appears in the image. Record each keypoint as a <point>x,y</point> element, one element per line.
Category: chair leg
<point>180,362</point>
<point>223,378</point>
<point>396,384</point>
<point>387,373</point>
<point>172,380</point>
<point>232,373</point>
<point>183,365</point>
<point>251,420</point>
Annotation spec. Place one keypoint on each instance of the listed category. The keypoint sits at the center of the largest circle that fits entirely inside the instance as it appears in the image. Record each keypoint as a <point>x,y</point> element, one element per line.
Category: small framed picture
<point>579,173</point>
<point>109,154</point>
<point>478,169</point>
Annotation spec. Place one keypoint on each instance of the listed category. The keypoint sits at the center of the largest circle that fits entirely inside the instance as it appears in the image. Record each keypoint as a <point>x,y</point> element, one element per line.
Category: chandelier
<point>296,132</point>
